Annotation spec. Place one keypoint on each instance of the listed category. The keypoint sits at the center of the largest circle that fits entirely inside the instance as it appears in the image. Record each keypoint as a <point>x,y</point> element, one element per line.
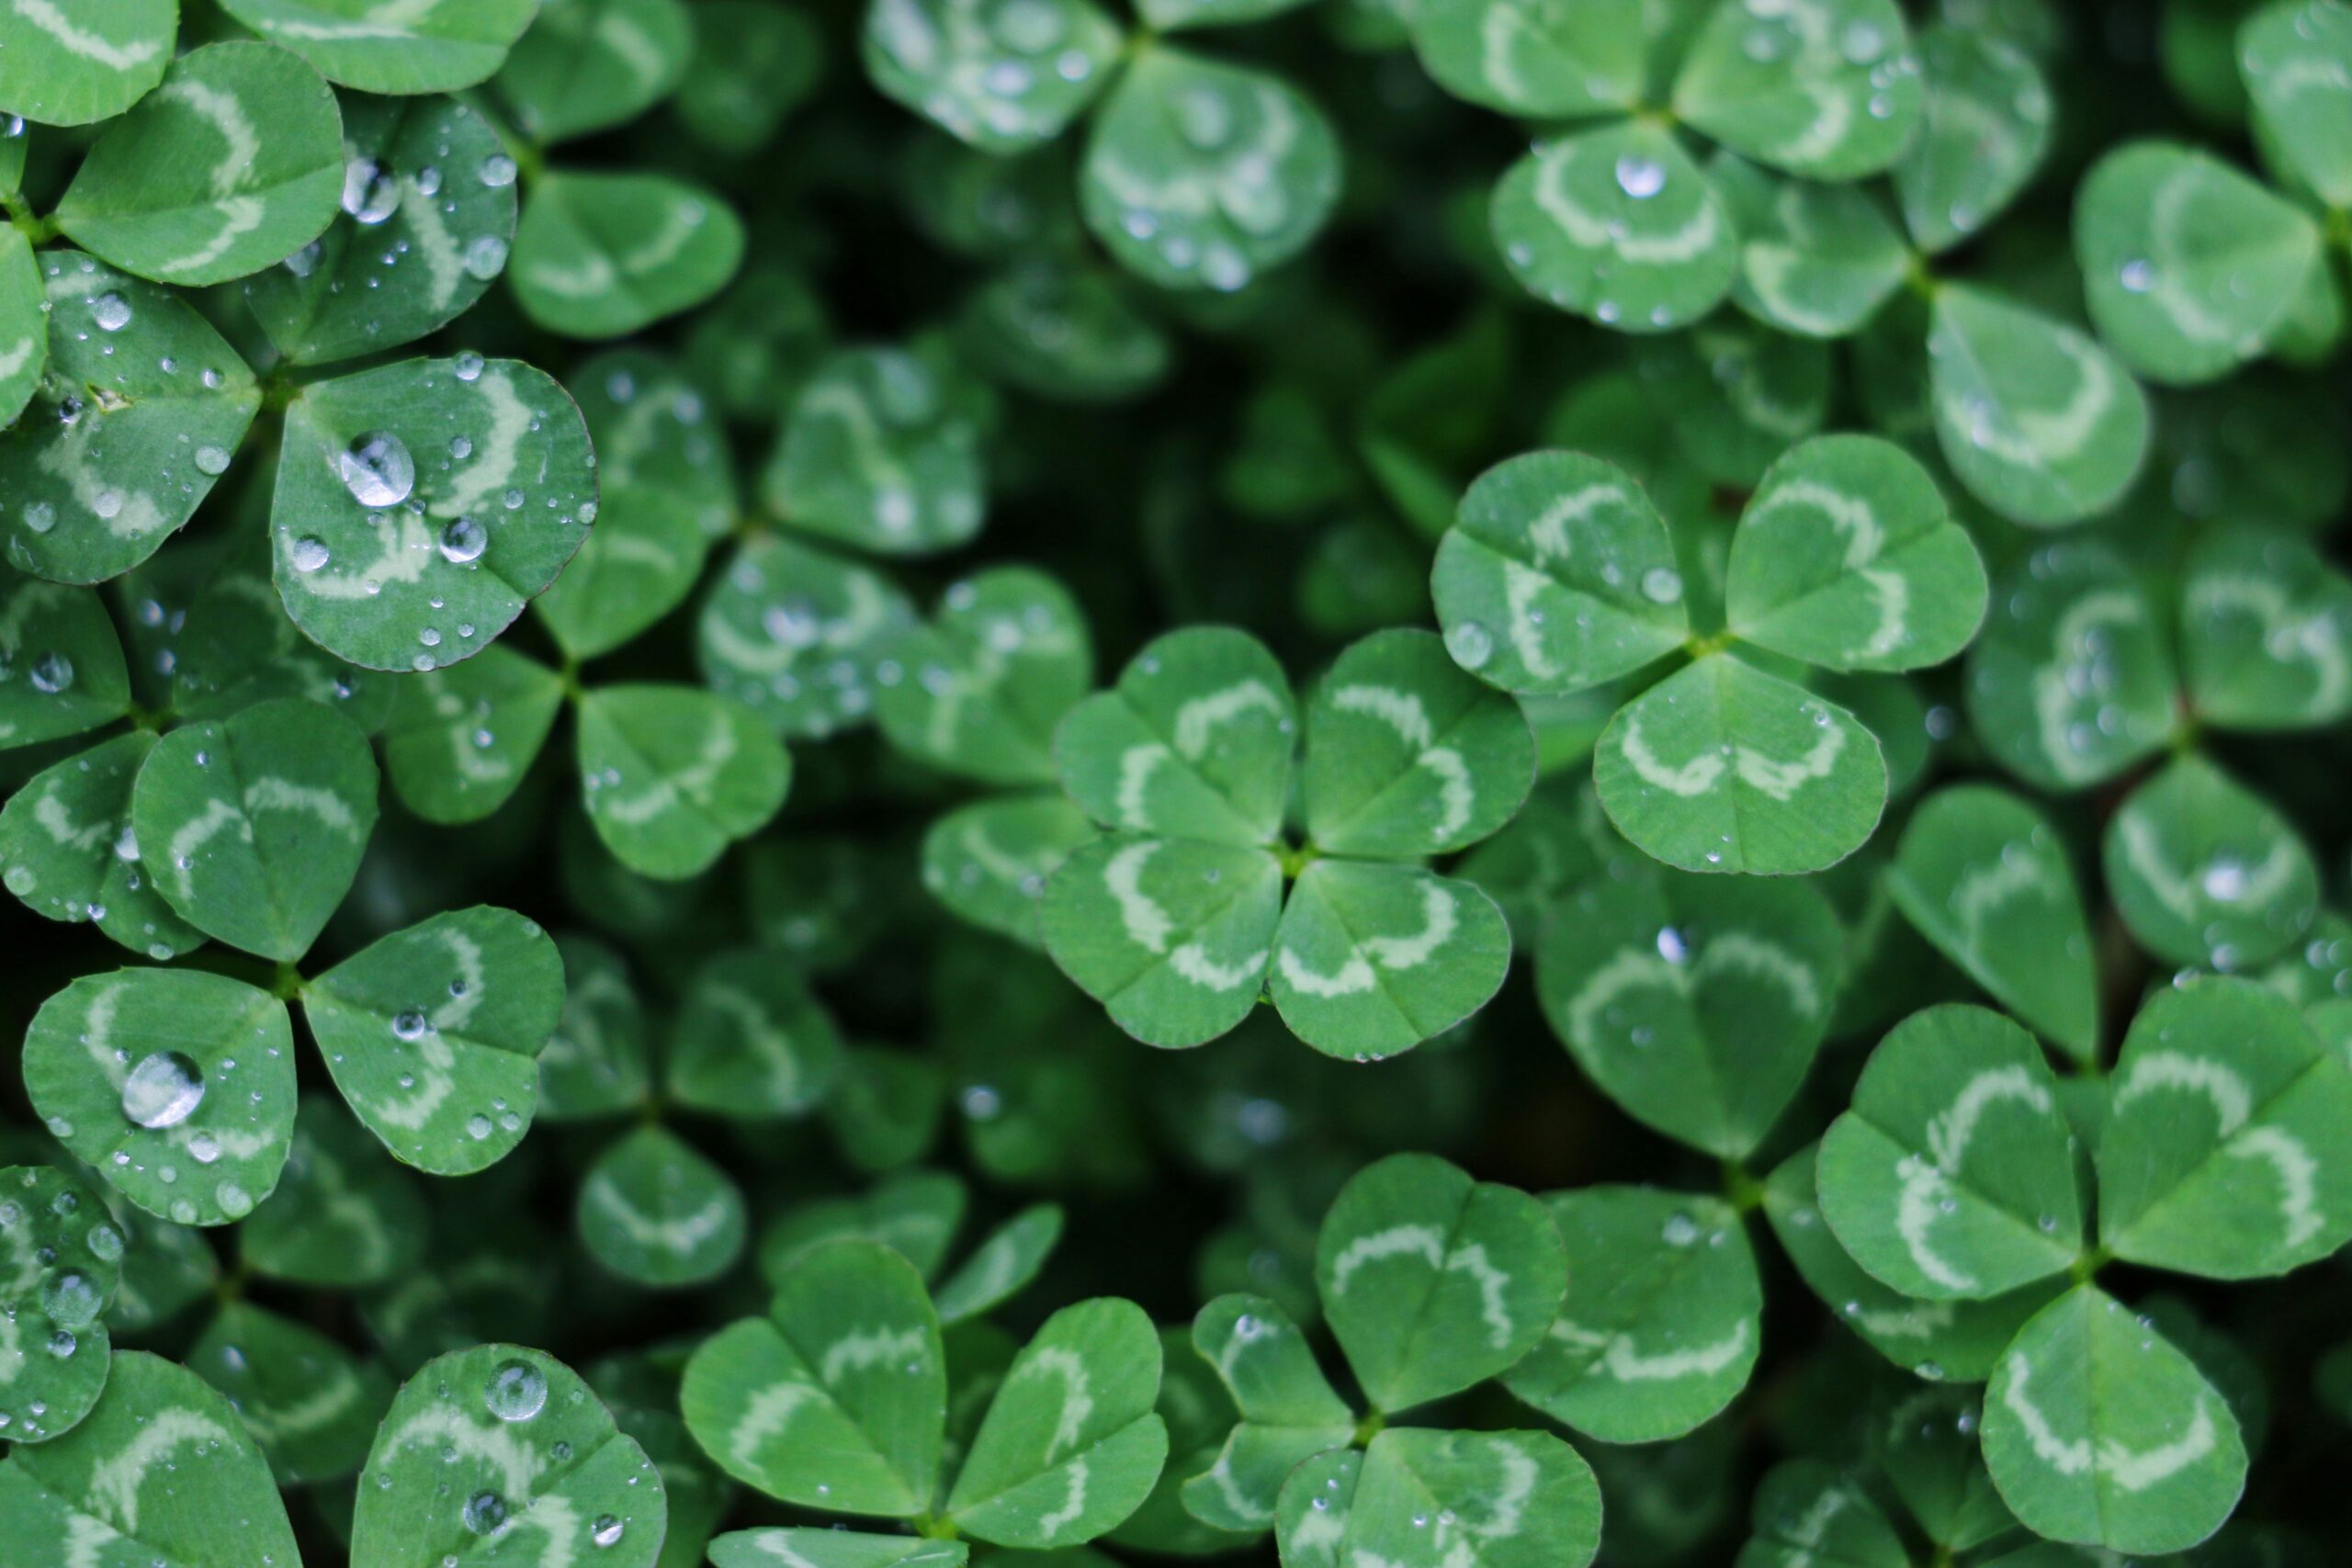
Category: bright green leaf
<point>176,1086</point>
<point>1952,1177</point>
<point>132,426</point>
<point>2097,1431</point>
<point>428,214</point>
<point>2227,1149</point>
<point>1370,960</point>
<point>234,164</point>
<point>1433,1283</point>
<point>536,1459</point>
<point>160,1469</point>
<point>836,1399</point>
<point>1194,741</point>
<point>2038,421</point>
<point>433,1034</point>
<point>1661,1325</point>
<point>1724,768</point>
<point>437,47</point>
<point>673,774</point>
<point>1617,224</point>
<point>1557,575</point>
<point>420,504</point>
<point>252,826</point>
<point>1984,878</point>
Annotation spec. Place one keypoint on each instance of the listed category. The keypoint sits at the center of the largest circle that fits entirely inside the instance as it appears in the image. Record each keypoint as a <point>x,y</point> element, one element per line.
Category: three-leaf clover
<point>1954,1178</point>
<point>1559,575</point>
<point>1179,916</point>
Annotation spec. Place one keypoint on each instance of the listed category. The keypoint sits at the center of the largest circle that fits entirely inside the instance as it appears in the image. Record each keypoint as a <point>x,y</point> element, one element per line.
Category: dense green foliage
<point>1380,783</point>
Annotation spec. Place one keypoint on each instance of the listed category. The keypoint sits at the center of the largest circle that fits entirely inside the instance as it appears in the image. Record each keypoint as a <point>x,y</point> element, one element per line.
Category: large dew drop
<point>515,1392</point>
<point>378,470</point>
<point>163,1090</point>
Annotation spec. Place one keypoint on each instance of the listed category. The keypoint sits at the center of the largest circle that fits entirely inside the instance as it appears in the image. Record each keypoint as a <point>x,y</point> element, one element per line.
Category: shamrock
<point>1177,916</point>
<point>1559,575</point>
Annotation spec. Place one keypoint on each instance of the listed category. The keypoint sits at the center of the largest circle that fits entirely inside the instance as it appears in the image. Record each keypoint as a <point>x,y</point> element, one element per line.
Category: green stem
<point>1742,1190</point>
<point>2086,1266</point>
<point>287,983</point>
<point>1369,1427</point>
<point>931,1527</point>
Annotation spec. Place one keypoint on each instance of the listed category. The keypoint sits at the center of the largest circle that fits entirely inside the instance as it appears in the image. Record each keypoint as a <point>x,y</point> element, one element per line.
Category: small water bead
<point>606,1530</point>
<point>463,539</point>
<point>1680,1230</point>
<point>308,554</point>
<point>1639,176</point>
<point>478,1127</point>
<point>485,258</point>
<point>468,366</point>
<point>52,673</point>
<point>70,1300</point>
<point>111,311</point>
<point>2137,276</point>
<point>1662,585</point>
<point>212,460</point>
<point>498,170</point>
<point>62,1343</point>
<point>1471,645</point>
<point>378,470</point>
<point>516,1390</point>
<point>371,193</point>
<point>484,1512</point>
<point>163,1090</point>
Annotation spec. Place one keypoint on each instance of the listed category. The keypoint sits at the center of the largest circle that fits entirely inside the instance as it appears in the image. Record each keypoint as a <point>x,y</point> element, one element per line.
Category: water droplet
<point>2137,276</point>
<point>463,539</point>
<point>468,365</point>
<point>309,554</point>
<point>606,1530</point>
<point>484,1512</point>
<point>378,470</point>
<point>1470,644</point>
<point>371,193</point>
<point>52,673</point>
<point>1639,176</point>
<point>214,460</point>
<point>1680,1230</point>
<point>70,1300</point>
<point>111,311</point>
<point>409,1025</point>
<point>516,1390</point>
<point>498,170</point>
<point>485,257</point>
<point>1662,585</point>
<point>163,1089</point>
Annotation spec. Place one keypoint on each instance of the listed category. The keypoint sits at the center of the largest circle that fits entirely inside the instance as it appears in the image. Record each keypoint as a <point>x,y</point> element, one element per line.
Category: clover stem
<point>287,983</point>
<point>1742,1190</point>
<point>1371,1426</point>
<point>933,1528</point>
<point>1296,861</point>
<point>2086,1266</point>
